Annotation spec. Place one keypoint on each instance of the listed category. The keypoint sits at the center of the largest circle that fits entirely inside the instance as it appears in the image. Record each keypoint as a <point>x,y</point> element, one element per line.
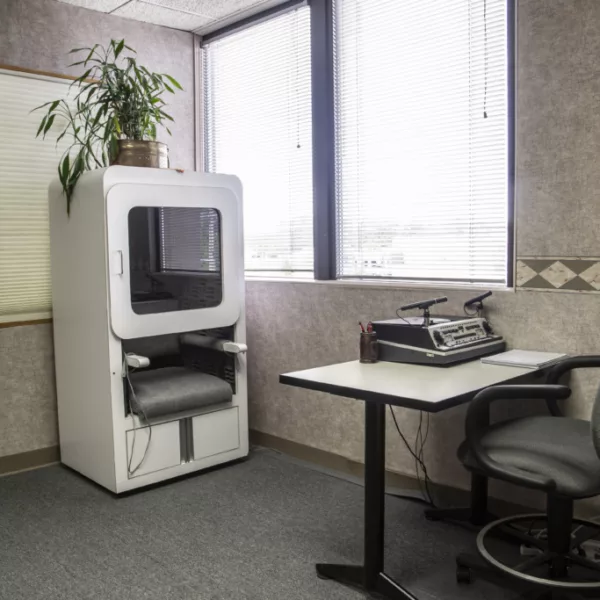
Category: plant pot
<point>142,153</point>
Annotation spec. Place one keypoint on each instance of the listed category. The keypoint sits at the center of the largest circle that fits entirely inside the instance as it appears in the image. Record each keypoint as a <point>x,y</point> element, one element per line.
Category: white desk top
<point>414,386</point>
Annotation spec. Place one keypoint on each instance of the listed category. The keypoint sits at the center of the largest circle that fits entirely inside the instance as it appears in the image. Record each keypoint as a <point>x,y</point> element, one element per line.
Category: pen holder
<point>369,350</point>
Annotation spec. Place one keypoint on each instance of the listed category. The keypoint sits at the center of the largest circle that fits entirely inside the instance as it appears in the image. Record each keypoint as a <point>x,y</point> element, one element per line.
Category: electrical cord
<point>135,407</point>
<point>406,320</point>
<point>418,455</point>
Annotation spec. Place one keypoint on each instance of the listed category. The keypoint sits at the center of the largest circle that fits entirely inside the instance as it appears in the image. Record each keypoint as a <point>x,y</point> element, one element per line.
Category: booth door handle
<point>117,262</point>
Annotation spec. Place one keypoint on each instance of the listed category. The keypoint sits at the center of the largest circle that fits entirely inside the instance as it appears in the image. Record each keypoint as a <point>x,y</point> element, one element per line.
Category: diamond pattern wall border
<point>570,274</point>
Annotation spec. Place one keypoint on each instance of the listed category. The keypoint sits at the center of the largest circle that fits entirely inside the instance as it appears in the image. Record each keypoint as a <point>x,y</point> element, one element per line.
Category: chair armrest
<point>480,405</point>
<point>565,366</point>
<point>570,363</point>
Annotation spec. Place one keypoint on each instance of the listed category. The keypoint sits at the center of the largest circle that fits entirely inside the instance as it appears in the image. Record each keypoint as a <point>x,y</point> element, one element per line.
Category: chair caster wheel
<point>463,575</point>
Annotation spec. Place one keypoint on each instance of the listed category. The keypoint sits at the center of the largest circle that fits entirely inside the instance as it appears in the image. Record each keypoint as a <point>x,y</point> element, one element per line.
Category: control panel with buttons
<point>456,334</point>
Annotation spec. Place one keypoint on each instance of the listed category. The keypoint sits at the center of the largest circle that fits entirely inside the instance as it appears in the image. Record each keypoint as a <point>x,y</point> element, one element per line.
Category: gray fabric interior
<point>557,447</point>
<point>153,347</point>
<point>165,392</point>
<point>205,342</point>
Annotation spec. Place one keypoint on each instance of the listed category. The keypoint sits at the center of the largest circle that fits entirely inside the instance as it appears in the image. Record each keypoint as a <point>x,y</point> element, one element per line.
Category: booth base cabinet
<point>215,433</point>
<point>152,449</point>
<point>160,444</point>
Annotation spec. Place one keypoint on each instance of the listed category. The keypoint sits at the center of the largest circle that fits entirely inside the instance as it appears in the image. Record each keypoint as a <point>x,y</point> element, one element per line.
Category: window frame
<point>322,32</point>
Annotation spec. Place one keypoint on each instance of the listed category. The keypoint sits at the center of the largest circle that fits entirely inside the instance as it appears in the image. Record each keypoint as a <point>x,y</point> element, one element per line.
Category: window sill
<point>27,319</point>
<point>384,285</point>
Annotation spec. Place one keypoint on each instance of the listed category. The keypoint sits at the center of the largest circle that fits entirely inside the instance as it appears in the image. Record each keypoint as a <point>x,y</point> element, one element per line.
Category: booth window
<point>257,86</point>
<point>174,258</point>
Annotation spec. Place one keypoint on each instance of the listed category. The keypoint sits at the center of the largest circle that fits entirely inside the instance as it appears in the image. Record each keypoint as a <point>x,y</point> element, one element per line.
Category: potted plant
<point>113,117</point>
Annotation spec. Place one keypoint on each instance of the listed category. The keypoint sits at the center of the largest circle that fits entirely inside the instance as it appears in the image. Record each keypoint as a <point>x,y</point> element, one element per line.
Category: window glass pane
<point>258,127</point>
<point>174,259</point>
<point>421,120</point>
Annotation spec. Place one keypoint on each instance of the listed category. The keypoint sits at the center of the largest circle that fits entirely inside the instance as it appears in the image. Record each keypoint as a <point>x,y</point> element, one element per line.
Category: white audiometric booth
<point>149,324</point>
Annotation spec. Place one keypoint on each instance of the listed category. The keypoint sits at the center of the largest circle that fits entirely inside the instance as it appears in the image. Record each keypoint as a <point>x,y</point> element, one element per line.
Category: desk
<point>430,389</point>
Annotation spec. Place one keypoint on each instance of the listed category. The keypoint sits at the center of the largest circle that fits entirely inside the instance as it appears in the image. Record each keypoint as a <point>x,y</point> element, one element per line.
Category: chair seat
<point>160,393</point>
<point>560,448</point>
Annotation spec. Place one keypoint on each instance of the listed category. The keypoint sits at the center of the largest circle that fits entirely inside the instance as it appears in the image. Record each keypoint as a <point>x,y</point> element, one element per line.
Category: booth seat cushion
<point>160,393</point>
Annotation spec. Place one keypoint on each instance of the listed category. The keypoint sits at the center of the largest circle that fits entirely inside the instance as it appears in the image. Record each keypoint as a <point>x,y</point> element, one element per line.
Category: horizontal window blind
<point>257,85</point>
<point>422,129</point>
<point>27,165</point>
<point>190,239</point>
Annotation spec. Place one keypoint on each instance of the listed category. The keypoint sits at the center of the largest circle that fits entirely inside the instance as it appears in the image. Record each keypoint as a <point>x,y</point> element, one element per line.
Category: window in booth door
<point>174,258</point>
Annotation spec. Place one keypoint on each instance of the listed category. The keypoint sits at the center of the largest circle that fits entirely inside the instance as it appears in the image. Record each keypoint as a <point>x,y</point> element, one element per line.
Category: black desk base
<point>370,576</point>
<point>354,577</point>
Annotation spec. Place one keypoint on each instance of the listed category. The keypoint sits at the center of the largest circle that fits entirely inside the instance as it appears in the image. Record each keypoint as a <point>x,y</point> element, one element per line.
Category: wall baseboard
<point>443,494</point>
<point>13,463</point>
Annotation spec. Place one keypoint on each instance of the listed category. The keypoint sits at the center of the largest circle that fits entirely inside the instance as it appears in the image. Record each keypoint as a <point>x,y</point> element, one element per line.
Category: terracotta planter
<point>142,153</point>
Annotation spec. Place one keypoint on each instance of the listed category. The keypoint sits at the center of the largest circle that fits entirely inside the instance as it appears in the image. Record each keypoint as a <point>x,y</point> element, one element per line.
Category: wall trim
<point>24,461</point>
<point>444,494</point>
<point>574,274</point>
<point>6,324</point>
<point>38,72</point>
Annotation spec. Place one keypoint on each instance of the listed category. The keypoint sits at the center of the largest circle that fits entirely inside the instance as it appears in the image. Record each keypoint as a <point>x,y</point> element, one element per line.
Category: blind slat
<point>421,175</point>
<point>257,86</point>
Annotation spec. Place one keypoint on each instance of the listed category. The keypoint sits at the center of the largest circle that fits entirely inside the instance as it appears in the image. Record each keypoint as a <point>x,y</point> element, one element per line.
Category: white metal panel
<point>121,198</point>
<point>84,373</point>
<point>163,448</point>
<point>216,432</point>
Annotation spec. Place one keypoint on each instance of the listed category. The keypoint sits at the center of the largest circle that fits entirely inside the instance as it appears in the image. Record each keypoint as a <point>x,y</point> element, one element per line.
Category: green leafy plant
<point>116,99</point>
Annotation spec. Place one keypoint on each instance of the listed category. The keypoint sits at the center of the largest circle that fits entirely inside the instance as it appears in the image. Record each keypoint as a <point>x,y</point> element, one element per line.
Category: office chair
<point>552,453</point>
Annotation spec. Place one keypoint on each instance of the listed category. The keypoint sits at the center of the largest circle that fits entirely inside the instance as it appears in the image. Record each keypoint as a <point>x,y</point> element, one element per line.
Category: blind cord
<point>296,77</point>
<point>485,59</point>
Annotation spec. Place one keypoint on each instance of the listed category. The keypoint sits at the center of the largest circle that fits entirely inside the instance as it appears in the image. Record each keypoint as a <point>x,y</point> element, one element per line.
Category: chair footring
<point>558,564</point>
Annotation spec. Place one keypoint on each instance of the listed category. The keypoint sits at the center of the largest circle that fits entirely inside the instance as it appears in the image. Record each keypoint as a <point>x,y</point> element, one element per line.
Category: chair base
<point>559,581</point>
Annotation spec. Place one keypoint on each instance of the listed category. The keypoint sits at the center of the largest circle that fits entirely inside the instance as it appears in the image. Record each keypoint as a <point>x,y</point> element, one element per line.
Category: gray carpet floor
<point>249,531</point>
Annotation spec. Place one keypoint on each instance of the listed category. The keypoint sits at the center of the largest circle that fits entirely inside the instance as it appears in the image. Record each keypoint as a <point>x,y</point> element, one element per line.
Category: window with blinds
<point>422,139</point>
<point>257,85</point>
<point>27,165</point>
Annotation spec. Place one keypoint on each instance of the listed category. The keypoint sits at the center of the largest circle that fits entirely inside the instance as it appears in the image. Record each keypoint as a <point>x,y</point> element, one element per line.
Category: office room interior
<point>214,348</point>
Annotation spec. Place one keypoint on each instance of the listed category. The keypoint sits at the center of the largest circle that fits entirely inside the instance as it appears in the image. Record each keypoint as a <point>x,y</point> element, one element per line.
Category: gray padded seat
<point>560,448</point>
<point>161,393</point>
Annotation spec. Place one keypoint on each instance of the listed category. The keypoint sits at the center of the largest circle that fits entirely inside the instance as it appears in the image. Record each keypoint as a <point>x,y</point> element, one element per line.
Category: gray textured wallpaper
<point>37,34</point>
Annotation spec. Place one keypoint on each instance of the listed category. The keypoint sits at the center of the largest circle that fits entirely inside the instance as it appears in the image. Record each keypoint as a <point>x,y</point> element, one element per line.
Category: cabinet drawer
<point>164,450</point>
<point>216,432</point>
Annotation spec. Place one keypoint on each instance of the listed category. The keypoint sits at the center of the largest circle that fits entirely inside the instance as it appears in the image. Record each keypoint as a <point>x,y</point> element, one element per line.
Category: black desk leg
<point>371,577</point>
<point>477,513</point>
